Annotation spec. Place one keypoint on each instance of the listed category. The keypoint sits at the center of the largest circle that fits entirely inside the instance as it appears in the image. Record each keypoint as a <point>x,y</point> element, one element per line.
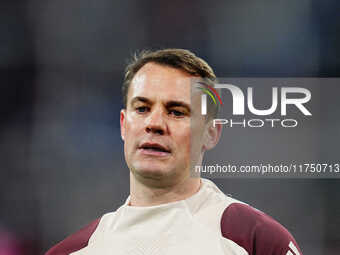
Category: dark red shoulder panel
<point>75,241</point>
<point>257,232</point>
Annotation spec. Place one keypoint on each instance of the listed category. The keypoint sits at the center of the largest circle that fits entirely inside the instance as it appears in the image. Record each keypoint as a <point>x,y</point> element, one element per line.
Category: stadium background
<point>61,65</point>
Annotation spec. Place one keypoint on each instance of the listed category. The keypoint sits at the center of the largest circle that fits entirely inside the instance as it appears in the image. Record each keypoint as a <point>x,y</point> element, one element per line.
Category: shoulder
<point>256,232</point>
<point>75,241</point>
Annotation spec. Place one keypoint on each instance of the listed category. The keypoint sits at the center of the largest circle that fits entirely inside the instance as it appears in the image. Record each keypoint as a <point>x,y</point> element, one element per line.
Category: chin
<point>153,172</point>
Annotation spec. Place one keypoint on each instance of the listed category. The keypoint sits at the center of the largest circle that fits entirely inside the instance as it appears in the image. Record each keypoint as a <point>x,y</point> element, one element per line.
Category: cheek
<point>197,135</point>
<point>133,124</point>
<point>182,137</point>
<point>132,129</point>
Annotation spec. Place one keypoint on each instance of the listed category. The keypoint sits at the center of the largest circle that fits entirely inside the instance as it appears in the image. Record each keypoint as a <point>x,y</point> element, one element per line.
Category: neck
<point>143,194</point>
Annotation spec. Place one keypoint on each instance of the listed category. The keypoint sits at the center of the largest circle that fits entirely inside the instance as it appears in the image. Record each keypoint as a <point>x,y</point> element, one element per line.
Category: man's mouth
<point>154,149</point>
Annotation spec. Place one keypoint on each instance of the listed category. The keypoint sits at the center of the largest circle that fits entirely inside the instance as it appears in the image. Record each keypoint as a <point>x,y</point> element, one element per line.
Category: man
<point>169,211</point>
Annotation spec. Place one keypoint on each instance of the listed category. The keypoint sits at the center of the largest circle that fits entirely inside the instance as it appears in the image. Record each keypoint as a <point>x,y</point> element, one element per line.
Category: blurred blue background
<point>62,64</point>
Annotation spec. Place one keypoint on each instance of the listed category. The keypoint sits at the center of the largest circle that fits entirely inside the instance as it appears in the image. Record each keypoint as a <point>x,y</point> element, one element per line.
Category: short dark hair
<point>181,59</point>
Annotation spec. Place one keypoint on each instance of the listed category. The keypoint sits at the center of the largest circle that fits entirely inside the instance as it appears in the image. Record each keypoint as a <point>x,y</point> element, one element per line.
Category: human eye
<point>141,109</point>
<point>176,113</point>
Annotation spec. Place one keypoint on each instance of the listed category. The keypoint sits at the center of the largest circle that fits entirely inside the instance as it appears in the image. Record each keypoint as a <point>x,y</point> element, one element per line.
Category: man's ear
<point>212,135</point>
<point>122,123</point>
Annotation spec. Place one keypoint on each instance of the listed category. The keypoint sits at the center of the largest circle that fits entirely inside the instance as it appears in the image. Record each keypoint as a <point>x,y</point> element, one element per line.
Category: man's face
<point>158,123</point>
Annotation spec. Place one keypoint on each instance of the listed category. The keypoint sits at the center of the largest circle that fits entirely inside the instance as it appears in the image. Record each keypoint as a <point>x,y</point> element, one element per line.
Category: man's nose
<point>155,123</point>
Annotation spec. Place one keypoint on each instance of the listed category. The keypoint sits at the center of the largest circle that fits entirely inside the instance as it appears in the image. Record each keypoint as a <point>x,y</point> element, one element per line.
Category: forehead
<point>158,82</point>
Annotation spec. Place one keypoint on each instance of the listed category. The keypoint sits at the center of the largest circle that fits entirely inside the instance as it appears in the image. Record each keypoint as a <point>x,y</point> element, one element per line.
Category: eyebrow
<point>169,104</point>
<point>178,104</point>
<point>141,99</point>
